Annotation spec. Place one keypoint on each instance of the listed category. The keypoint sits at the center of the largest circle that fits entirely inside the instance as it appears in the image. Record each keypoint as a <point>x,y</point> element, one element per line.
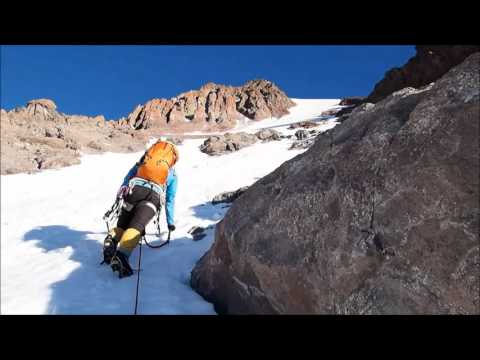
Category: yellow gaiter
<point>129,240</point>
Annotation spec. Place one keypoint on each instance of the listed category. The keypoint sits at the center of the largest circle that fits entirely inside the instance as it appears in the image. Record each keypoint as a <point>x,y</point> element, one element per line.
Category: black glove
<point>171,227</point>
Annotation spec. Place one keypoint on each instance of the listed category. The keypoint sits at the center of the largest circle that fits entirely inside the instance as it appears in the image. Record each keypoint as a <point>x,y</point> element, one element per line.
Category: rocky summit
<point>212,108</point>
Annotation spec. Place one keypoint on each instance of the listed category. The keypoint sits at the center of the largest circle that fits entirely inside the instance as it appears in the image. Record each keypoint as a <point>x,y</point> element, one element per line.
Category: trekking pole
<point>138,275</point>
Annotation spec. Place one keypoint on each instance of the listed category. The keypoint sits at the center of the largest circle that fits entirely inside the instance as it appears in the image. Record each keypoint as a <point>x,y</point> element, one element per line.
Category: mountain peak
<point>213,107</point>
<point>46,103</point>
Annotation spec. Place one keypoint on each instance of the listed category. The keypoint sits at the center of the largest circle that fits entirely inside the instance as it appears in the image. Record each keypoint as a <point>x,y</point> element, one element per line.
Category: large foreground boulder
<point>212,107</point>
<point>379,216</point>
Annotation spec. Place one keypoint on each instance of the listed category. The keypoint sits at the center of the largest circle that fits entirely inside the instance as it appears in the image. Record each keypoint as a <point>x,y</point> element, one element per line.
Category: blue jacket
<point>171,190</point>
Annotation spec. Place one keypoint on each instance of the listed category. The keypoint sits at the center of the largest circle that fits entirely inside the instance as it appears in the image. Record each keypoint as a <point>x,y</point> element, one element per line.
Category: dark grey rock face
<point>429,63</point>
<point>379,216</point>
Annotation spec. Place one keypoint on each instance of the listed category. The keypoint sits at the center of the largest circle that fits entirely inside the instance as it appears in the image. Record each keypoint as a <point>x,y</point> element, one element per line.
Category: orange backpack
<point>158,159</point>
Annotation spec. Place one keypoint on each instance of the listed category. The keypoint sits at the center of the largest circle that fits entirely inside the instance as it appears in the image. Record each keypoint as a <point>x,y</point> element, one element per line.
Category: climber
<point>149,185</point>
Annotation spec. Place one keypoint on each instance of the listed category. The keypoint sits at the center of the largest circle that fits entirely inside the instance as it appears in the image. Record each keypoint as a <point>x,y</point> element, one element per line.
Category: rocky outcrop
<point>175,140</point>
<point>352,101</point>
<point>429,64</point>
<point>198,232</point>
<point>346,106</point>
<point>42,108</point>
<point>267,135</point>
<point>305,139</point>
<point>228,196</point>
<point>213,107</point>
<point>330,113</point>
<point>301,134</point>
<point>379,216</point>
<point>260,99</point>
<point>303,124</point>
<point>344,113</point>
<point>37,137</point>
<point>230,142</point>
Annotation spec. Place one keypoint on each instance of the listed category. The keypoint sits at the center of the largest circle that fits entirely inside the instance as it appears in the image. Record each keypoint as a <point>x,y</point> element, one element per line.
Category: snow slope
<point>305,109</point>
<point>52,229</point>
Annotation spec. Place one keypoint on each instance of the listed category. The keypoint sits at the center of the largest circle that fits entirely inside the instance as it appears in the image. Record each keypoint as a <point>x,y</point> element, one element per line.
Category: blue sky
<point>112,80</point>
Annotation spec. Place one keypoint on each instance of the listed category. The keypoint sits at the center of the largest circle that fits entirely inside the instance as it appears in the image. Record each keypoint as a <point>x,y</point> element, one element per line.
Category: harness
<point>159,189</point>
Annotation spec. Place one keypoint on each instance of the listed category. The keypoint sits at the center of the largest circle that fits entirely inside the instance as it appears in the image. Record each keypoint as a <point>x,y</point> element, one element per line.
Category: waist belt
<point>148,184</point>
